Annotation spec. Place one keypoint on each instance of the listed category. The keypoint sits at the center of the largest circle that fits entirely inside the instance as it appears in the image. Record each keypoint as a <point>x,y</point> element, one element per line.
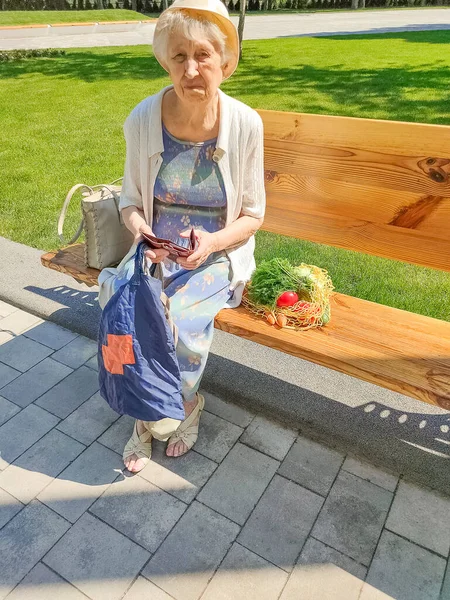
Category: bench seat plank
<point>401,351</point>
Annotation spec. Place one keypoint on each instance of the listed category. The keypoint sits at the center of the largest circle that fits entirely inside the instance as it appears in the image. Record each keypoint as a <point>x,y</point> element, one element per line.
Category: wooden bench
<point>376,187</point>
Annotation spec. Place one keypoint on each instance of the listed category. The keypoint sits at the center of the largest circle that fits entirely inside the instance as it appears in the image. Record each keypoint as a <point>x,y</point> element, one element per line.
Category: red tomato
<point>287,299</point>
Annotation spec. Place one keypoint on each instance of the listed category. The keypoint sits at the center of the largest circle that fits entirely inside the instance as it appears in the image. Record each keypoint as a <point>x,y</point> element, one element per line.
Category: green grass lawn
<point>62,124</point>
<point>37,17</point>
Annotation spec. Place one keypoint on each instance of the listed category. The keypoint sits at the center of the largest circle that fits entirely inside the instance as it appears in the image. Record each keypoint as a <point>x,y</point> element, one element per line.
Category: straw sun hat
<point>215,12</point>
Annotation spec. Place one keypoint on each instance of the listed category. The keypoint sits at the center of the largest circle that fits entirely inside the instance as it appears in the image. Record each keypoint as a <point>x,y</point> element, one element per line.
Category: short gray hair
<point>179,22</point>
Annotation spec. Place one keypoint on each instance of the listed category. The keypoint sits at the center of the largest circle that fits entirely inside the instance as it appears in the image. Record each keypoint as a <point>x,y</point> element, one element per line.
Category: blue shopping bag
<point>138,368</point>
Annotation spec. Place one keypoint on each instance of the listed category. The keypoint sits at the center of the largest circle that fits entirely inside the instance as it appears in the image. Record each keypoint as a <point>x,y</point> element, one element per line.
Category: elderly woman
<point>194,160</point>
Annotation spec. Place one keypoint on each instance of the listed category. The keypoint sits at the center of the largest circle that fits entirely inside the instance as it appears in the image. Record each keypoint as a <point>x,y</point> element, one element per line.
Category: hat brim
<point>224,24</point>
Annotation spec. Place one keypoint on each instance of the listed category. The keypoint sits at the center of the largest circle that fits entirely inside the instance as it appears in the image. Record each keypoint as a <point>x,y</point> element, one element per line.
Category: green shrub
<point>10,55</point>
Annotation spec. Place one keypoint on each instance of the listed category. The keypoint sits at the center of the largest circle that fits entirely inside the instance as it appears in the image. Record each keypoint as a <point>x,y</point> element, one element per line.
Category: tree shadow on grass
<point>411,33</point>
<point>385,31</point>
<point>417,93</point>
<point>99,64</point>
<point>394,93</point>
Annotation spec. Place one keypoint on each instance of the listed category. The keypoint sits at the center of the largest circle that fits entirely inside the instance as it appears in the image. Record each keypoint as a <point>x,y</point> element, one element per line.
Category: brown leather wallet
<point>175,250</point>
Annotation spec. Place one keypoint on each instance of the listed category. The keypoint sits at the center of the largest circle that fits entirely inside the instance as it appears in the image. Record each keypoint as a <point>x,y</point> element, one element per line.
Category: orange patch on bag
<point>117,353</point>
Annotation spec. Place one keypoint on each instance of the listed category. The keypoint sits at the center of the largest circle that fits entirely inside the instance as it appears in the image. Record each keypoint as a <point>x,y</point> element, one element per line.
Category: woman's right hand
<point>157,255</point>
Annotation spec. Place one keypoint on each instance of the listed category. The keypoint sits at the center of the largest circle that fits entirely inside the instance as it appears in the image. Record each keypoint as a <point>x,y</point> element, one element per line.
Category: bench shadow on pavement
<point>82,312</point>
<point>415,444</point>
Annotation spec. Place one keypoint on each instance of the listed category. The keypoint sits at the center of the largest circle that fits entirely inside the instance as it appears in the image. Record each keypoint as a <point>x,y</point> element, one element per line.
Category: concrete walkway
<point>256,27</point>
<point>258,511</point>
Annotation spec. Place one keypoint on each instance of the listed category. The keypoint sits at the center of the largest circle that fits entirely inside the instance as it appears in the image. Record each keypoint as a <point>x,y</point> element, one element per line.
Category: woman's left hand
<point>207,244</point>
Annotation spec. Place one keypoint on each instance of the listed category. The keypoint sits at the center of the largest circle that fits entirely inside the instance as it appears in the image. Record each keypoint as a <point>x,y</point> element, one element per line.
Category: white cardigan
<point>238,154</point>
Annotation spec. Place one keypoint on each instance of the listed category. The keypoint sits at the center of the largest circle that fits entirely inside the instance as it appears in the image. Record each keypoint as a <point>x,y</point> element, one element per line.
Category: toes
<point>180,448</point>
<point>138,465</point>
<point>169,450</point>
<point>130,461</point>
<point>177,449</point>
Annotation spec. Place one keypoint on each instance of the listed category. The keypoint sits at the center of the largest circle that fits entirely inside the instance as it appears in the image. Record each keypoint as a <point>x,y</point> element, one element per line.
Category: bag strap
<point>139,259</point>
<point>65,206</point>
<point>62,216</point>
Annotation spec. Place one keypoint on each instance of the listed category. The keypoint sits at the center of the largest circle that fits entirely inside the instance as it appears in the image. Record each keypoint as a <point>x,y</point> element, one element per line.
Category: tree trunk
<point>241,25</point>
<point>100,4</point>
<point>165,4</point>
<point>362,3</point>
<point>134,5</point>
<point>355,4</point>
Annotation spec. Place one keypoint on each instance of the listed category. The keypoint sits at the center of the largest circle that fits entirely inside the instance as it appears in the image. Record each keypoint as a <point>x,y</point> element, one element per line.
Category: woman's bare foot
<point>180,447</point>
<point>133,463</point>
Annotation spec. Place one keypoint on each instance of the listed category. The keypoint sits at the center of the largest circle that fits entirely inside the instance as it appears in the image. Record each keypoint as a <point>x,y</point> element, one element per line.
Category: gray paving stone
<point>78,486</point>
<point>183,477</point>
<point>239,482</point>
<point>69,394</point>
<point>269,437</point>
<point>285,513</point>
<point>365,470</point>
<point>51,335</point>
<point>9,506</point>
<point>416,514</point>
<point>405,571</point>
<point>19,321</point>
<point>98,560</point>
<point>7,410</point>
<point>352,517</point>
<point>6,309</point>
<point>228,411</point>
<point>35,382</point>
<point>142,589</point>
<point>216,436</point>
<point>90,420</point>
<point>245,576</point>
<point>22,353</point>
<point>43,584</point>
<point>22,431</point>
<point>92,363</point>
<point>445,594</point>
<point>315,552</point>
<point>191,552</point>
<point>25,540</point>
<point>139,510</point>
<point>118,434</point>
<point>37,467</point>
<point>7,374</point>
<point>368,592</point>
<point>76,352</point>
<point>312,465</point>
<point>323,573</point>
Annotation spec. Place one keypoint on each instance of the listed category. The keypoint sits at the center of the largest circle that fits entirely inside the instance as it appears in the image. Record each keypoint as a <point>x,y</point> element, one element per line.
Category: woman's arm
<point>224,239</point>
<point>134,220</point>
<point>240,231</point>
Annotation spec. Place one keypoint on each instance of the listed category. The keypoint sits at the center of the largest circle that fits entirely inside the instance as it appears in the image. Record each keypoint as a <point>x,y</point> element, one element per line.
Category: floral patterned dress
<point>189,192</point>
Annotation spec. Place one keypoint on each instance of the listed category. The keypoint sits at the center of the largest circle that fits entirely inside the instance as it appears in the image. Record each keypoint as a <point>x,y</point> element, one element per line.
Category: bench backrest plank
<point>378,187</point>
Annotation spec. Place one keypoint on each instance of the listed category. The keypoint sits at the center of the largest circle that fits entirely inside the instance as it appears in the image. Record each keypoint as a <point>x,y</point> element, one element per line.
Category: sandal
<point>187,432</point>
<point>140,445</point>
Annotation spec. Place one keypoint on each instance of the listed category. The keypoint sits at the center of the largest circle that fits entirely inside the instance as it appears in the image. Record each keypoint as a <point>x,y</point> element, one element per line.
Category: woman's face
<point>195,68</point>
